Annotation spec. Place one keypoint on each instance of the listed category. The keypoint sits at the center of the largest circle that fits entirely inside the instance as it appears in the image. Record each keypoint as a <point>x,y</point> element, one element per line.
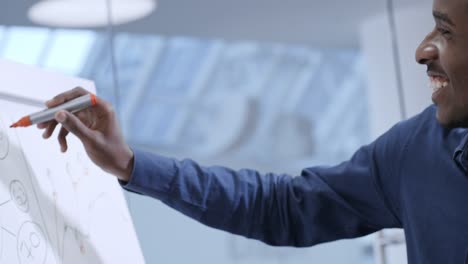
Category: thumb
<point>73,124</point>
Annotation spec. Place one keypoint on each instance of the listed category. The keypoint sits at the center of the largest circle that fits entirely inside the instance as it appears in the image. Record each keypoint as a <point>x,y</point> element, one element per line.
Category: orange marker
<point>72,106</point>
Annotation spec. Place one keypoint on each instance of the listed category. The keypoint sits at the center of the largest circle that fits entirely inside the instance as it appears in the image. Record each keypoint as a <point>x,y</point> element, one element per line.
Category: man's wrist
<point>126,166</point>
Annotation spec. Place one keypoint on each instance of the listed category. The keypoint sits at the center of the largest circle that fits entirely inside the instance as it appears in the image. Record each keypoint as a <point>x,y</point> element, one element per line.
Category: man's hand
<point>97,128</point>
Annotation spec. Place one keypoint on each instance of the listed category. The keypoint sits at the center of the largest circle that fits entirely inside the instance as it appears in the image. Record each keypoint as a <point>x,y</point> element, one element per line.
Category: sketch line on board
<point>79,238</point>
<point>4,141</point>
<point>2,204</point>
<point>31,243</point>
<point>79,231</point>
<point>30,173</point>
<point>19,195</point>
<point>55,197</point>
<point>80,235</point>
<point>8,231</point>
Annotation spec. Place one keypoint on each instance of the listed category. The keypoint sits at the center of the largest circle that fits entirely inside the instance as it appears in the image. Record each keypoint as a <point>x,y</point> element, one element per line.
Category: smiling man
<point>444,53</point>
<point>415,176</point>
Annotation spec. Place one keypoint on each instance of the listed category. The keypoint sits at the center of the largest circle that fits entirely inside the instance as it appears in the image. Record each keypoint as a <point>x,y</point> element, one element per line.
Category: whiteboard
<point>54,207</point>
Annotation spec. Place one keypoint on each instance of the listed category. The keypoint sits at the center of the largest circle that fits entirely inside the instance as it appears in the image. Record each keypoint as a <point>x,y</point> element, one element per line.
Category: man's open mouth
<point>437,83</point>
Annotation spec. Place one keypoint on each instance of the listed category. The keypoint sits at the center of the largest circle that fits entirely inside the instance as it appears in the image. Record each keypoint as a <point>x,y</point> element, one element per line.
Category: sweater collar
<point>460,156</point>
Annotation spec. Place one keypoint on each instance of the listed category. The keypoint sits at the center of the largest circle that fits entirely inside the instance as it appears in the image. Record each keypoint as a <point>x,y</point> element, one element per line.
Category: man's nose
<point>426,52</point>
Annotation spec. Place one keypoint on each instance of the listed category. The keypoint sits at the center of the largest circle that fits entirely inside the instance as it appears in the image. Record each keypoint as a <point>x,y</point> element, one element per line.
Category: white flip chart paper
<point>54,207</point>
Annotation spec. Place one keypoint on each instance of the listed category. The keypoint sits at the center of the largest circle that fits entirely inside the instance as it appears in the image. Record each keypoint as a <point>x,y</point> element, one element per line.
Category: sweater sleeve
<point>319,205</point>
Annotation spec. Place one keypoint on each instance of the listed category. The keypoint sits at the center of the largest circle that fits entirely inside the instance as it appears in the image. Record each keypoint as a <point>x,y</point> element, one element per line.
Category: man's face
<point>445,52</point>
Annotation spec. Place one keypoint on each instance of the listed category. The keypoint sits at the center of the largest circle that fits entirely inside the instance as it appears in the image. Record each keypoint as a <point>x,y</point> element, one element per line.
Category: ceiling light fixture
<point>88,13</point>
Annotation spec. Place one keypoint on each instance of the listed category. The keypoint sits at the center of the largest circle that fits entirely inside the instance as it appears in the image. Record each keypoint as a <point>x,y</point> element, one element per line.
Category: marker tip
<point>23,122</point>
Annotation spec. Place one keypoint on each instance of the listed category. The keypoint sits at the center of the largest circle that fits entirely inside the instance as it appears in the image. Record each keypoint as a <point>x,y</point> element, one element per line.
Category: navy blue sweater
<point>413,177</point>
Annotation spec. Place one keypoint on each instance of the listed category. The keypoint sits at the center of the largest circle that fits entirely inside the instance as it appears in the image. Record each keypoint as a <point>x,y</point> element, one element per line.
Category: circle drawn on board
<point>31,244</point>
<point>19,195</point>
<point>4,142</point>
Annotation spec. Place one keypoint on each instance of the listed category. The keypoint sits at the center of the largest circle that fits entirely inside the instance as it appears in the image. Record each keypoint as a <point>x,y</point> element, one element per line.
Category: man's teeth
<point>436,84</point>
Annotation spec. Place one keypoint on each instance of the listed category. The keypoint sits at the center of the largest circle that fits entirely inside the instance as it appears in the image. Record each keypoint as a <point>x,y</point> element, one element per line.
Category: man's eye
<point>444,31</point>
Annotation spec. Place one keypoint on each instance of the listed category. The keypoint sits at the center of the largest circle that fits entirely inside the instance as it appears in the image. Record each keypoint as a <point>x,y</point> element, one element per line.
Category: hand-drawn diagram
<point>73,238</point>
<point>19,195</point>
<point>71,234</point>
<point>68,235</point>
<point>4,142</point>
<point>77,169</point>
<point>56,211</point>
<point>52,209</point>
<point>31,244</point>
<point>73,244</point>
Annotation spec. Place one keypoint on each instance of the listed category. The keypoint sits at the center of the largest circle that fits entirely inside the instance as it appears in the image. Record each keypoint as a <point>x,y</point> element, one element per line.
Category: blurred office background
<point>271,85</point>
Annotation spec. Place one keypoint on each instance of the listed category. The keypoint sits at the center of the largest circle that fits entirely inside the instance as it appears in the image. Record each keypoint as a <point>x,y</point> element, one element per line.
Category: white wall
<point>412,26</point>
